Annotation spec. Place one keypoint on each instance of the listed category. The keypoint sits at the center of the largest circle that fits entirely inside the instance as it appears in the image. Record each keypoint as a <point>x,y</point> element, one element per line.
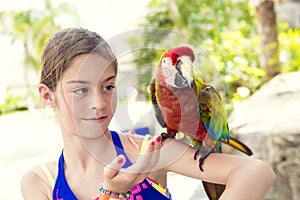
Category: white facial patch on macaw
<point>187,68</point>
<point>168,71</point>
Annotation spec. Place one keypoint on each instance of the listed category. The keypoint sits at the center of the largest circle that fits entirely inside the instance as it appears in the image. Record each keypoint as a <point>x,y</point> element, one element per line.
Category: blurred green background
<point>231,31</point>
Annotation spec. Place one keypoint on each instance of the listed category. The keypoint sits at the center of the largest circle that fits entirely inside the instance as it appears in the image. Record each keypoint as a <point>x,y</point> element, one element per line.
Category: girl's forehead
<point>91,67</point>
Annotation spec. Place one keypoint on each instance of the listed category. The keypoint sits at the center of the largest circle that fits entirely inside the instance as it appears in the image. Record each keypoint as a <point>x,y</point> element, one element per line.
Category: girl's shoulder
<point>39,180</point>
<point>43,173</point>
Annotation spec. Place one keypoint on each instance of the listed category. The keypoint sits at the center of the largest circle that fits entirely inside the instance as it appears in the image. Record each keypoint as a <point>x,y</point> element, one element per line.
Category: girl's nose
<point>98,101</point>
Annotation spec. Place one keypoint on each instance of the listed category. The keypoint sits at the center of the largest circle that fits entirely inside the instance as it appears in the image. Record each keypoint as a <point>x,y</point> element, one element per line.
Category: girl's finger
<point>113,168</point>
<point>149,159</point>
<point>156,151</point>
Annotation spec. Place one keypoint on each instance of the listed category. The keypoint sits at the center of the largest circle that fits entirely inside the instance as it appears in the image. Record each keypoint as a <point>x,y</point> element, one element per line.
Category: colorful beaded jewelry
<point>114,195</point>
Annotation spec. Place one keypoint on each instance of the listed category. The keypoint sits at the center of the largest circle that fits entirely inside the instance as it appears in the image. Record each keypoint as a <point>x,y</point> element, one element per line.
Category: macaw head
<point>177,67</point>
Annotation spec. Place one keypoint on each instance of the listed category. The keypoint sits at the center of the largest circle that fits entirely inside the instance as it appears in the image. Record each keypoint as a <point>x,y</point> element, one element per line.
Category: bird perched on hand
<point>184,103</point>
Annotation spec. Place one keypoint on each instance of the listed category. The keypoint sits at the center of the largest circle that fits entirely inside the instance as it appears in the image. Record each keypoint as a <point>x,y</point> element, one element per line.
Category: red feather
<point>178,109</point>
<point>180,51</point>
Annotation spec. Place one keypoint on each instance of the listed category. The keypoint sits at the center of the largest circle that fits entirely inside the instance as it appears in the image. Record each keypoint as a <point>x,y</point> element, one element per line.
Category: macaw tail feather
<point>235,143</point>
<point>213,191</point>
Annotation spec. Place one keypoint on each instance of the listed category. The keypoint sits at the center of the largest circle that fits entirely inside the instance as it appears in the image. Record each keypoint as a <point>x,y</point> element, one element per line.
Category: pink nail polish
<point>120,160</point>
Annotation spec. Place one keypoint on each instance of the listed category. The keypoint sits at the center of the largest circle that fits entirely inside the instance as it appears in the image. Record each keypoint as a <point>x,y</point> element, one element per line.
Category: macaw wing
<point>212,113</point>
<point>157,111</point>
<point>214,118</point>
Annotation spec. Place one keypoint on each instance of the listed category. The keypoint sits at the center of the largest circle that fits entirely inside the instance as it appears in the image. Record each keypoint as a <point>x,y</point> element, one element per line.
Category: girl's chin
<point>93,132</point>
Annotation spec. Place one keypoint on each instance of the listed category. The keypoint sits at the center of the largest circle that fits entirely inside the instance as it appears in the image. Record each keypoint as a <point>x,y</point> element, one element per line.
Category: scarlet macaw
<point>184,103</point>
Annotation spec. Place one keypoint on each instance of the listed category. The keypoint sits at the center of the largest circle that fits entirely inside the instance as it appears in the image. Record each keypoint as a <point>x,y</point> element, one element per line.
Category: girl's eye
<point>109,88</point>
<point>80,91</point>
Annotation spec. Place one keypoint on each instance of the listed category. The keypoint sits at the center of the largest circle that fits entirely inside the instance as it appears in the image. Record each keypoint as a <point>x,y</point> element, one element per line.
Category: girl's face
<point>85,99</point>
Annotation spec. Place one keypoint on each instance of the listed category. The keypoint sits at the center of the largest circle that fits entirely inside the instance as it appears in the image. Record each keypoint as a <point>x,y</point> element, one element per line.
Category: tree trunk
<point>267,29</point>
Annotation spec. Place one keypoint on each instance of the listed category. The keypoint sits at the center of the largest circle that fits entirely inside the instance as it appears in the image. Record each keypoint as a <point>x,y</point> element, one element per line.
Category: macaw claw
<point>204,154</point>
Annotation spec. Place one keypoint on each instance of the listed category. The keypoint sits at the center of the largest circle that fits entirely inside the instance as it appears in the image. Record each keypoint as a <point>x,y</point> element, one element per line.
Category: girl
<point>78,80</point>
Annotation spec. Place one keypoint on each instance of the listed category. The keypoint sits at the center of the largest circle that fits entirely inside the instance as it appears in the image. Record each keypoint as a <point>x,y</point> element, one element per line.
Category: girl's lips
<point>97,119</point>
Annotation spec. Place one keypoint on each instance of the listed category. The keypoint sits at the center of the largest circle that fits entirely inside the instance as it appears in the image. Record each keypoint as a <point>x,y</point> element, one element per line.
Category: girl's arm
<point>245,177</point>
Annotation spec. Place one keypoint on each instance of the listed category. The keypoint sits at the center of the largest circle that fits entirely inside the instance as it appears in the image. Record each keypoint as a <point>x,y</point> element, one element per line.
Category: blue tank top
<point>119,148</point>
<point>146,190</point>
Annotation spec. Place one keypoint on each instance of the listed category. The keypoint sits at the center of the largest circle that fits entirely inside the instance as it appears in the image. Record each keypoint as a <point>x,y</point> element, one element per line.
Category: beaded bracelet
<point>114,195</point>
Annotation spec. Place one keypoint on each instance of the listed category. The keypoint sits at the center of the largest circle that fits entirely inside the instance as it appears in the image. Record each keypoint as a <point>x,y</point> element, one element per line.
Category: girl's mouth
<point>96,119</point>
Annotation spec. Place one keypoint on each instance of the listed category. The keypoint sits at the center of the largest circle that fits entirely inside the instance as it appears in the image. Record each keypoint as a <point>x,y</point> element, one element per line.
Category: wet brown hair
<point>64,46</point>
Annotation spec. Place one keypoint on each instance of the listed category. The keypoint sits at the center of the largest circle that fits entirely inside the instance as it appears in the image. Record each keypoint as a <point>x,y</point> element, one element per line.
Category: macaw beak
<point>184,77</point>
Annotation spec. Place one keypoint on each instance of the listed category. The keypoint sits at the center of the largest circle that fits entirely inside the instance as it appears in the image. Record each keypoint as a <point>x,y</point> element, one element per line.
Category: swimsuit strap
<point>119,148</point>
<point>48,174</point>
<point>45,175</point>
<point>61,188</point>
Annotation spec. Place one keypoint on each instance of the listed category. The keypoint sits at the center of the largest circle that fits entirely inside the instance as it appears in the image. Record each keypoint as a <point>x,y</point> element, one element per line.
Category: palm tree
<point>33,28</point>
<point>267,29</point>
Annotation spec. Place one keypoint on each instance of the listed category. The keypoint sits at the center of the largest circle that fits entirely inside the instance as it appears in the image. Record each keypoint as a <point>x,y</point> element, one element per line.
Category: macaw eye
<point>165,61</point>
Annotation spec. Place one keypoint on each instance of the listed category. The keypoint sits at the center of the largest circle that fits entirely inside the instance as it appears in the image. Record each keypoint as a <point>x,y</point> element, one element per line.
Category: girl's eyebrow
<point>87,82</point>
<point>77,81</point>
<point>109,78</point>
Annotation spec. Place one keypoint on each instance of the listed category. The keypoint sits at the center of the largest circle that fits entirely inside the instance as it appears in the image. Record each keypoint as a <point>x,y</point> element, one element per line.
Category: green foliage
<point>32,28</point>
<point>15,103</point>
<point>225,28</point>
<point>289,41</point>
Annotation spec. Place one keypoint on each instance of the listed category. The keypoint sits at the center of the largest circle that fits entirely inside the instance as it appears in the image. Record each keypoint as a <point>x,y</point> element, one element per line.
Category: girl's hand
<point>120,180</point>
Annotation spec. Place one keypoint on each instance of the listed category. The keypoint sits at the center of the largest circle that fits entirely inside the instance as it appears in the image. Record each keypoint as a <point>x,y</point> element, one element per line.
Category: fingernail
<point>152,143</point>
<point>158,138</point>
<point>120,160</point>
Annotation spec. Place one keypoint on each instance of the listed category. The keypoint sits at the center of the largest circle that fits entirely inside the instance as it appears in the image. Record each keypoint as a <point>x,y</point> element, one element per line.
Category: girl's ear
<point>46,95</point>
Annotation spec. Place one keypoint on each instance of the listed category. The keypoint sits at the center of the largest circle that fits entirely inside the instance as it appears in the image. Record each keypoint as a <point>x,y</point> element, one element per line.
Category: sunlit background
<point>29,138</point>
<point>107,17</point>
<point>231,31</point>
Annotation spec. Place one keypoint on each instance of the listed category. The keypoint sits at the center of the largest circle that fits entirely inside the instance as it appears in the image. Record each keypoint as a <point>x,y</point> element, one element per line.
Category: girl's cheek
<point>114,101</point>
